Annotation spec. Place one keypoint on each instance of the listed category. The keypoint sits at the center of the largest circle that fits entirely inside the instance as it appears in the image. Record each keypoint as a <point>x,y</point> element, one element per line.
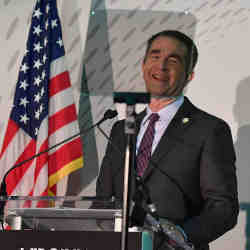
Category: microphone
<point>141,216</point>
<point>109,114</point>
<point>170,232</point>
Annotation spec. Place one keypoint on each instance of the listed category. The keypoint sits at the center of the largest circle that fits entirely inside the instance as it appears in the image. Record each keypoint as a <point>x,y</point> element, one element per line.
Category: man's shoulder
<point>202,114</point>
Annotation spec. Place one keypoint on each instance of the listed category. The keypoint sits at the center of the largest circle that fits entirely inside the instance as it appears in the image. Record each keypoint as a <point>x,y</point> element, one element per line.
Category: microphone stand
<point>109,114</point>
<point>130,99</point>
<point>129,164</point>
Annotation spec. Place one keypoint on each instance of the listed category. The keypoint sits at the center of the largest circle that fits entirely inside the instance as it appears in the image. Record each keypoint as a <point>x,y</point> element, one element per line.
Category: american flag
<point>43,113</point>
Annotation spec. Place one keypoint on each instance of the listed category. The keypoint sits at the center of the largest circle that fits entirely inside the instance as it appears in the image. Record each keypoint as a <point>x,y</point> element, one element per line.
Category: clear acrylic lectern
<point>61,213</point>
<point>67,222</point>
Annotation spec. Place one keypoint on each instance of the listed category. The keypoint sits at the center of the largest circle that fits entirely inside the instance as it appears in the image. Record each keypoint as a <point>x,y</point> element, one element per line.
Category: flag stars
<point>24,101</point>
<point>42,92</point>
<point>37,64</point>
<point>45,42</point>
<point>46,24</point>
<point>37,81</point>
<point>37,114</point>
<point>54,23</point>
<point>37,13</point>
<point>43,74</point>
<point>37,97</point>
<point>41,108</point>
<point>24,118</point>
<point>24,85</point>
<point>37,30</point>
<point>26,51</point>
<point>44,58</point>
<point>59,42</point>
<point>37,47</point>
<point>47,8</point>
<point>24,68</point>
<point>32,103</point>
<point>32,98</point>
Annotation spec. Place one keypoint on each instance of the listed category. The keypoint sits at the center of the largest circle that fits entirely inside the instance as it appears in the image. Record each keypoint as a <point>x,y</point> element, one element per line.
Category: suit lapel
<point>174,133</point>
<point>138,121</point>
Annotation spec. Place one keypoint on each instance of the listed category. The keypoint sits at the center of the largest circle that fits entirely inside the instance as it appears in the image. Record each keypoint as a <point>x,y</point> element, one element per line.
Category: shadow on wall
<point>92,105</point>
<point>80,179</point>
<point>242,147</point>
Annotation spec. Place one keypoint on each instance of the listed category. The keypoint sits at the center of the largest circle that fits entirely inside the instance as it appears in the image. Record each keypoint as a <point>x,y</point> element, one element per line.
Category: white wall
<point>221,85</point>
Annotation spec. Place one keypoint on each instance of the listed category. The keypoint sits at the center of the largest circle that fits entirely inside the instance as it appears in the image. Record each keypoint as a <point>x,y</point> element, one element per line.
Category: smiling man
<point>168,65</point>
<point>185,156</point>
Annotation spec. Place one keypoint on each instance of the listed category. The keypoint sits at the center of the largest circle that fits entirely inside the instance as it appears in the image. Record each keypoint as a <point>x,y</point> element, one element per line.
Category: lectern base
<point>70,240</point>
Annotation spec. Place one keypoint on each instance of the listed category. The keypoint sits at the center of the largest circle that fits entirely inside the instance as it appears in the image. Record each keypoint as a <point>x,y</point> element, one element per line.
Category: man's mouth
<point>159,77</point>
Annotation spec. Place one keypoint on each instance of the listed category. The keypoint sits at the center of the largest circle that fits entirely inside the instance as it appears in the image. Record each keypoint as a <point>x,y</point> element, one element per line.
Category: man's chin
<point>165,94</point>
<point>162,97</point>
<point>159,94</point>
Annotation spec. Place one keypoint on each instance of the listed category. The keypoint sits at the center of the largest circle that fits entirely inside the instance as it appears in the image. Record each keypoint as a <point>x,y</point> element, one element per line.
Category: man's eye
<point>172,60</point>
<point>155,57</point>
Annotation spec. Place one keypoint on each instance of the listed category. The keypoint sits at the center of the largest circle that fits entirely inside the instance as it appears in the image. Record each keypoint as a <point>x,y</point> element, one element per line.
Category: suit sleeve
<point>112,164</point>
<point>218,185</point>
<point>104,186</point>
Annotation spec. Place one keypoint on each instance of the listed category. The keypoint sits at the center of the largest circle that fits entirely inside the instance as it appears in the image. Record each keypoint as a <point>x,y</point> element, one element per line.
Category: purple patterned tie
<point>144,152</point>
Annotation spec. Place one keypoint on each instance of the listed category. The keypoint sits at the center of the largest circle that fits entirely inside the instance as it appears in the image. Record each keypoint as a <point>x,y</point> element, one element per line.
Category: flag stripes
<point>43,113</point>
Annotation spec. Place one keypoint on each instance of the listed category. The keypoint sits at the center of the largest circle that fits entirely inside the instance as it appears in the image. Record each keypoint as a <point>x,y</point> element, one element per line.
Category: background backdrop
<point>105,41</point>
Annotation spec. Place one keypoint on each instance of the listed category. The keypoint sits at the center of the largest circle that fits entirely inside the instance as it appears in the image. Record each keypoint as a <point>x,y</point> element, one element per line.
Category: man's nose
<point>163,64</point>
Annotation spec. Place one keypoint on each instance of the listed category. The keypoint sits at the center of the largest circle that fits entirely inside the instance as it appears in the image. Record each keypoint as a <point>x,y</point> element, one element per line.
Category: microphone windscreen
<point>109,114</point>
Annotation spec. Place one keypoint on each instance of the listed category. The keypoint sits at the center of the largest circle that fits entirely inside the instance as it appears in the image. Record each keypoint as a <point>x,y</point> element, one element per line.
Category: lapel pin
<point>185,120</point>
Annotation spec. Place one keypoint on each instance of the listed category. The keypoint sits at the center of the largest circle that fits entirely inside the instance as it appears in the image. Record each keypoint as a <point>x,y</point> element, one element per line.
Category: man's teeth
<point>158,77</point>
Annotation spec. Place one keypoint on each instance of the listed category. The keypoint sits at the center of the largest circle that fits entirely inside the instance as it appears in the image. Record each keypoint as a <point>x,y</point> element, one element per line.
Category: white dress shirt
<point>166,115</point>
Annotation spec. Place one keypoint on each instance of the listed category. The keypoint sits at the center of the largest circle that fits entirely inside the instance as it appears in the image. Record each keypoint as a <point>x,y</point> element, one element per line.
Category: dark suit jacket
<point>191,178</point>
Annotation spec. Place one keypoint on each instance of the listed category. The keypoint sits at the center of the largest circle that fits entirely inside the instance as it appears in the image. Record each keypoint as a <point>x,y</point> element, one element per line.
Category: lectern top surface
<point>65,212</point>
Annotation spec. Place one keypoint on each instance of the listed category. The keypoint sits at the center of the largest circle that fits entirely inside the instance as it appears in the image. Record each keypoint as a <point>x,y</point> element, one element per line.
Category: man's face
<point>164,68</point>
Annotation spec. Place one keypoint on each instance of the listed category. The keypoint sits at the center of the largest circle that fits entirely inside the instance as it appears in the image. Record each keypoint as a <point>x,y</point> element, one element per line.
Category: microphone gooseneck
<point>109,114</point>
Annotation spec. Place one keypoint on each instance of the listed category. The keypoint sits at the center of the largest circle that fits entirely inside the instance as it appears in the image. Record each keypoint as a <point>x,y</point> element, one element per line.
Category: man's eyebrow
<point>155,51</point>
<point>173,55</point>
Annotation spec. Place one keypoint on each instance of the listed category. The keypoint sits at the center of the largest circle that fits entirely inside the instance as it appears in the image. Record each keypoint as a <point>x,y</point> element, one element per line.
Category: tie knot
<point>154,117</point>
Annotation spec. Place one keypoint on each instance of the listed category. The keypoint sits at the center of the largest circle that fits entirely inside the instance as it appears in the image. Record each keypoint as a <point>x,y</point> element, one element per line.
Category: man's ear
<point>189,78</point>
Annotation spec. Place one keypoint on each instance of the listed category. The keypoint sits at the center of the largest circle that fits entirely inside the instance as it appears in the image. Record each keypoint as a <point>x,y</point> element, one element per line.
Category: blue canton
<point>31,102</point>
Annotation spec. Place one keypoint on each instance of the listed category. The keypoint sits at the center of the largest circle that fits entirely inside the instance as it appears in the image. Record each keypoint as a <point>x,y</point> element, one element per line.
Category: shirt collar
<point>166,112</point>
